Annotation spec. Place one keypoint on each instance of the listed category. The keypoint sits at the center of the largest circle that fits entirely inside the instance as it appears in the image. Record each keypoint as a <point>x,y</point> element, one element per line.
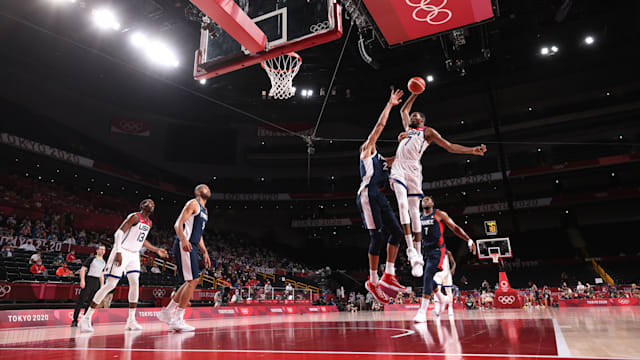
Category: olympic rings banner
<point>505,299</point>
<point>405,20</point>
<point>599,302</point>
<point>62,317</point>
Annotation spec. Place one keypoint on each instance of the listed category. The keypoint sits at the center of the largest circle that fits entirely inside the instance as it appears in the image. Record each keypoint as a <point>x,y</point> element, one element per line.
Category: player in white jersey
<point>406,176</point>
<point>444,280</point>
<point>130,237</point>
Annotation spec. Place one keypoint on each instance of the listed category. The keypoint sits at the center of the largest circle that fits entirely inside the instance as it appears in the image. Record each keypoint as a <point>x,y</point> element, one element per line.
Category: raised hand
<point>396,97</point>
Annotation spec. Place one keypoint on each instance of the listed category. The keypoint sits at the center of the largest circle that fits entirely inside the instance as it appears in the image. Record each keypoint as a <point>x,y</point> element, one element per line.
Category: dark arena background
<point>106,103</point>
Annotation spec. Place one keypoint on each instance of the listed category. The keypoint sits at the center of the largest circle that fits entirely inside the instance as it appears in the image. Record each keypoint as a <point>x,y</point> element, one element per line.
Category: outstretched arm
<point>444,217</point>
<point>395,99</point>
<point>155,249</point>
<point>434,136</point>
<point>405,112</point>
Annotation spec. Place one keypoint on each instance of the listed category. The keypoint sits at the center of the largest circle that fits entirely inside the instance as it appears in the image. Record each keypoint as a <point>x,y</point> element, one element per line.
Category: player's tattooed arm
<point>433,136</point>
<point>406,111</point>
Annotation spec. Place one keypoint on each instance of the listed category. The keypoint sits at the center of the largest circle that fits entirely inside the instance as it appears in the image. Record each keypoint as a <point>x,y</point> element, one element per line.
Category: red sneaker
<point>391,282</point>
<point>377,293</point>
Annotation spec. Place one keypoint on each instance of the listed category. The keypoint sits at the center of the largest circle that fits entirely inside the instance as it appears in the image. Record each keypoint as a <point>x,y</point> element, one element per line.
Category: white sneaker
<point>436,311</point>
<point>416,261</point>
<point>132,324</point>
<point>421,317</point>
<point>85,324</point>
<point>180,325</point>
<point>164,315</point>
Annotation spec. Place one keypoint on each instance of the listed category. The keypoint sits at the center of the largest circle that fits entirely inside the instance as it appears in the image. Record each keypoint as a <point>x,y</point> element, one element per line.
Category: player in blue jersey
<point>434,249</point>
<point>377,215</point>
<point>189,228</point>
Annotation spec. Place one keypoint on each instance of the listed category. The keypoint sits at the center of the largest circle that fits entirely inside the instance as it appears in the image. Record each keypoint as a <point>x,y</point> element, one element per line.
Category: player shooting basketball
<point>435,250</point>
<point>406,174</point>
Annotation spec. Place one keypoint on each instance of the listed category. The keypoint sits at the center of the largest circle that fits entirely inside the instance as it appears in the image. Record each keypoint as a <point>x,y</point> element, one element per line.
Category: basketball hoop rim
<point>292,54</point>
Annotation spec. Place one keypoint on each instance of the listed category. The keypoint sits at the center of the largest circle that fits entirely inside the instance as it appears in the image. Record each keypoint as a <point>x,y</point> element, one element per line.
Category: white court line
<point>406,331</point>
<point>561,344</point>
<point>312,352</point>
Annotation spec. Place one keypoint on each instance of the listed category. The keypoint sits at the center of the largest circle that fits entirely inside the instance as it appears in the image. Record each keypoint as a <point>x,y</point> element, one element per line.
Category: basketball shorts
<point>409,175</point>
<point>187,261</point>
<point>376,211</point>
<point>130,264</point>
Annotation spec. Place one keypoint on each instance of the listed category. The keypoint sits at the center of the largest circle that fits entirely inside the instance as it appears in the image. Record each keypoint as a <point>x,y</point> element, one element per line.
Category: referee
<point>93,267</point>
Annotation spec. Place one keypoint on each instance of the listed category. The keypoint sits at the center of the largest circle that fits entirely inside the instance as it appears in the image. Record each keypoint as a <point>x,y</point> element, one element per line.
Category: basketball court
<point>511,334</point>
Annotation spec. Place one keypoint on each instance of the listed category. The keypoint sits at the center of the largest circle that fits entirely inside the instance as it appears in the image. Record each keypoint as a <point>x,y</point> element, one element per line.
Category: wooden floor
<point>593,333</point>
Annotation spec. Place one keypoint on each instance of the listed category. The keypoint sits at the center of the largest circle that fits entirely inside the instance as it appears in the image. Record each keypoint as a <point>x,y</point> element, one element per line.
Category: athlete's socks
<point>172,306</point>
<point>390,268</point>
<point>441,299</point>
<point>180,313</point>
<point>424,304</point>
<point>132,313</point>
<point>409,240</point>
<point>89,313</point>
<point>373,277</point>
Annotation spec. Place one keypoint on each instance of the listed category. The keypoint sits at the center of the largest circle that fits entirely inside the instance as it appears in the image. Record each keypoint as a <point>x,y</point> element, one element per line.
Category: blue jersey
<point>194,226</point>
<point>432,230</point>
<point>374,172</point>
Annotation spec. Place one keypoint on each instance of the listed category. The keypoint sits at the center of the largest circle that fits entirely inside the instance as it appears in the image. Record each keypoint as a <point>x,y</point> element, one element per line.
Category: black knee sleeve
<point>396,237</point>
<point>376,243</point>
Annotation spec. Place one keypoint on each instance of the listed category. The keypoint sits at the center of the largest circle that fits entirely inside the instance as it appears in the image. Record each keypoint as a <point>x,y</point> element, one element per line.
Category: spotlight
<point>138,39</point>
<point>544,51</point>
<point>548,51</point>
<point>161,54</point>
<point>589,40</point>
<point>429,78</point>
<point>203,81</point>
<point>105,19</point>
<point>554,49</point>
<point>304,92</point>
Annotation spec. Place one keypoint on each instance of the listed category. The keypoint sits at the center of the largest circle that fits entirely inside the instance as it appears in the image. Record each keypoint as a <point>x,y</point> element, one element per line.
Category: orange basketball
<point>416,85</point>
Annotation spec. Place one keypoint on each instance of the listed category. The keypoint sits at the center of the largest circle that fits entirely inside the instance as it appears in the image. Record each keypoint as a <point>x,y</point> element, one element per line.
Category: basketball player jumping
<point>377,215</point>
<point>189,228</point>
<point>406,176</point>
<point>130,237</point>
<point>435,250</point>
<point>444,282</point>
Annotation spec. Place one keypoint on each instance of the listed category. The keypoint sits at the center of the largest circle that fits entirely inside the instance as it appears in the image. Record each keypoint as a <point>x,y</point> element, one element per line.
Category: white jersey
<point>133,239</point>
<point>413,146</point>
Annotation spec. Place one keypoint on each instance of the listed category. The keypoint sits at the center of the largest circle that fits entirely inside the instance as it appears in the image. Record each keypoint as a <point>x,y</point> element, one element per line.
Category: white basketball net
<point>495,258</point>
<point>281,71</point>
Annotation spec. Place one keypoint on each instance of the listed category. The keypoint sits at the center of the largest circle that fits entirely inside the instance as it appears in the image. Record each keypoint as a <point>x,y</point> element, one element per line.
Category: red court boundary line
<point>321,352</point>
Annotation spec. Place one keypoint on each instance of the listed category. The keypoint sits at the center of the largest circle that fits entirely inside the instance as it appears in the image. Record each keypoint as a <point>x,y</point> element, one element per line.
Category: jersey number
<point>141,236</point>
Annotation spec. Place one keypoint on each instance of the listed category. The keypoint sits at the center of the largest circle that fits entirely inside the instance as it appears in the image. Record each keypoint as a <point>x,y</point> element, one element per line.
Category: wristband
<point>470,243</point>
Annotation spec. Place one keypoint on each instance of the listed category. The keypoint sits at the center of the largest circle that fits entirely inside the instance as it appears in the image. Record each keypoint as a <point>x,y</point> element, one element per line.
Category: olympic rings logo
<point>5,290</point>
<point>321,26</point>
<point>131,126</point>
<point>624,301</point>
<point>432,12</point>
<point>159,293</point>
<point>506,300</point>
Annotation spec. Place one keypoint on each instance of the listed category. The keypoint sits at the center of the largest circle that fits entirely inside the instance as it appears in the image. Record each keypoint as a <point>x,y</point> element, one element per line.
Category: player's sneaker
<point>416,262</point>
<point>180,325</point>
<point>85,324</point>
<point>391,282</point>
<point>132,324</point>
<point>377,293</point>
<point>421,317</point>
<point>164,315</point>
<point>436,312</point>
